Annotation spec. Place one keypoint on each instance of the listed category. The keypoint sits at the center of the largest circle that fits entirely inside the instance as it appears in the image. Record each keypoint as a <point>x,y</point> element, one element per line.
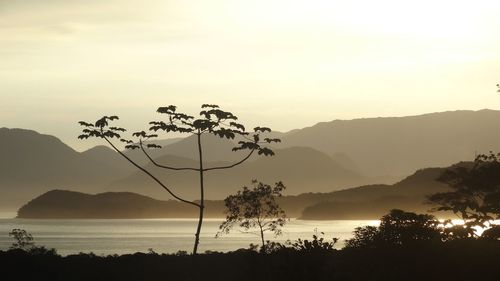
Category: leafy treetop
<point>255,208</point>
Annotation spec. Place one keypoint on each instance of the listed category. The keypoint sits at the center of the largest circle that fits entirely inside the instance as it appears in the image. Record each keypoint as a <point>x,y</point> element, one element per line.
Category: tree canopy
<point>255,207</point>
<point>475,194</point>
<point>397,228</point>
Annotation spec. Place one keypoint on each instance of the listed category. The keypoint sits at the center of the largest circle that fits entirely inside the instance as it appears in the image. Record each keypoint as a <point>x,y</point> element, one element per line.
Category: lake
<point>122,236</point>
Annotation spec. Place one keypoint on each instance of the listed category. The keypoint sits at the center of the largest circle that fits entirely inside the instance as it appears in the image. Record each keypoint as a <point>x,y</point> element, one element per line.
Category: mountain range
<point>323,158</point>
<point>365,202</point>
<point>397,146</point>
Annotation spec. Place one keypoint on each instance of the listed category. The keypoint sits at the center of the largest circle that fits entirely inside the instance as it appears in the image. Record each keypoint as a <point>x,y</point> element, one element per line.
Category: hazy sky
<point>281,63</point>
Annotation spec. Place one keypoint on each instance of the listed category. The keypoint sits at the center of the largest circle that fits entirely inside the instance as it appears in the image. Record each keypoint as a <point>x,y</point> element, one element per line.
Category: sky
<point>285,64</point>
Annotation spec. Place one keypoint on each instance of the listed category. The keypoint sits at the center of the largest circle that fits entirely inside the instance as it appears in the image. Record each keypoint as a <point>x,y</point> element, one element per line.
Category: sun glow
<point>325,59</point>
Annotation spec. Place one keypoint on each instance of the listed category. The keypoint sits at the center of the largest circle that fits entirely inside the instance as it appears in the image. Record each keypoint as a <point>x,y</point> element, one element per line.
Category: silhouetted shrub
<point>366,236</point>
<point>269,247</point>
<point>317,244</point>
<point>398,228</point>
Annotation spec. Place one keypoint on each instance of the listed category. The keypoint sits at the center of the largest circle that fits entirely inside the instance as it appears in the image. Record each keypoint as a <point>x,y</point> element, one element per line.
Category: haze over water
<point>107,237</point>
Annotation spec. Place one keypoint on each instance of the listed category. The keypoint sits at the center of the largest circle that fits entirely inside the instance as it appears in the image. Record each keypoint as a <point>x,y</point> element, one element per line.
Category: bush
<point>317,244</point>
<point>397,228</point>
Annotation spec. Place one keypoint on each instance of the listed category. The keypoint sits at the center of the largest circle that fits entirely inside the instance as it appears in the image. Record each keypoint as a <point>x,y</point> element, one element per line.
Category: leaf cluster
<point>211,120</point>
<point>218,122</point>
<point>102,129</point>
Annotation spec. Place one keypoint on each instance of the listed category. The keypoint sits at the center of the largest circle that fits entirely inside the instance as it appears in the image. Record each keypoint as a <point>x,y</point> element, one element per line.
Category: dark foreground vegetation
<point>455,260</point>
<point>406,246</point>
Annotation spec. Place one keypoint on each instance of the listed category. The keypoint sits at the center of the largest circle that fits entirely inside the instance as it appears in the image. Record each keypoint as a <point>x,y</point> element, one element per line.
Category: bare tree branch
<point>150,175</point>
<point>163,166</point>
<point>233,165</point>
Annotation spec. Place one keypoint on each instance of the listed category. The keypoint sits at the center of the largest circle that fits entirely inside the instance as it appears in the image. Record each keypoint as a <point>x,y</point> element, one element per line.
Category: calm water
<point>162,235</point>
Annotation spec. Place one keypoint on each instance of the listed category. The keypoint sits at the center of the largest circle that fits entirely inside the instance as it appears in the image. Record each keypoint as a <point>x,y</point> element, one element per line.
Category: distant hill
<point>106,157</point>
<point>31,163</point>
<point>140,158</point>
<point>63,204</point>
<point>373,201</point>
<point>397,146</point>
<point>300,168</point>
<point>215,149</point>
<point>365,202</point>
<point>322,158</point>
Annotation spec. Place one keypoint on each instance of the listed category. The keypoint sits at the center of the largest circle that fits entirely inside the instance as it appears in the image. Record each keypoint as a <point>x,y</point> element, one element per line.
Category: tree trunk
<point>202,198</point>
<point>262,237</point>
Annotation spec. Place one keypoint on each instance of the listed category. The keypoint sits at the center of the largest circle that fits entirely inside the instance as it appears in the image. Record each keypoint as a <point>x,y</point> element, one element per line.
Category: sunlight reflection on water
<point>162,235</point>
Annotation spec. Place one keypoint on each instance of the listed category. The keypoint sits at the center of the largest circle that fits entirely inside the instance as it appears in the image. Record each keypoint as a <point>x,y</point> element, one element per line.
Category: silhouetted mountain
<point>107,159</point>
<point>165,142</point>
<point>365,202</point>
<point>138,156</point>
<point>398,146</point>
<point>215,149</point>
<point>60,204</point>
<point>346,161</point>
<point>300,168</point>
<point>370,202</point>
<point>31,163</point>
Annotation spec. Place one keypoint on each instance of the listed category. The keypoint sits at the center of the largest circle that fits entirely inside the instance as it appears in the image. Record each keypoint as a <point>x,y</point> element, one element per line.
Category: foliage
<point>211,120</point>
<point>255,208</point>
<point>269,247</point>
<point>42,250</point>
<point>181,253</point>
<point>23,239</point>
<point>452,231</point>
<point>400,227</point>
<point>459,260</point>
<point>476,191</point>
<point>397,228</point>
<point>366,236</point>
<point>318,243</point>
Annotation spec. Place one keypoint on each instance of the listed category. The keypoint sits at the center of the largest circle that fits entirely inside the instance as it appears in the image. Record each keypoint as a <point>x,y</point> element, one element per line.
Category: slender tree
<point>211,120</point>
<point>255,208</point>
